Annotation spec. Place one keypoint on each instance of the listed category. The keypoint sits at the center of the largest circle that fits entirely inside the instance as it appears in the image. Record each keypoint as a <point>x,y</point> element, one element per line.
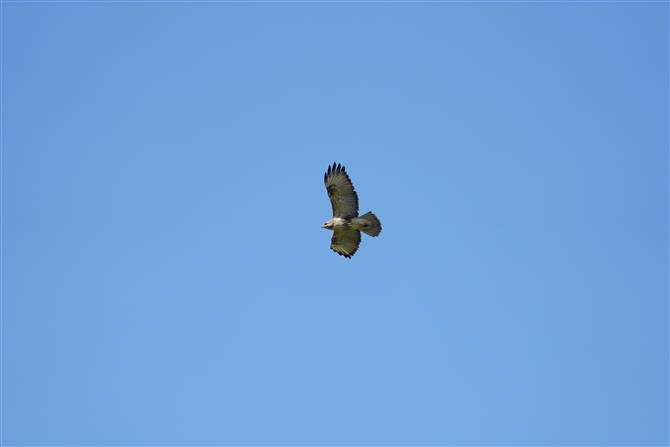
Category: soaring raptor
<point>346,224</point>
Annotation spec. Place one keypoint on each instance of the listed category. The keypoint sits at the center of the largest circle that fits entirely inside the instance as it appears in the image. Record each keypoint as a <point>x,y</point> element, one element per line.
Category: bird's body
<point>338,223</point>
<point>346,224</point>
<point>362,223</point>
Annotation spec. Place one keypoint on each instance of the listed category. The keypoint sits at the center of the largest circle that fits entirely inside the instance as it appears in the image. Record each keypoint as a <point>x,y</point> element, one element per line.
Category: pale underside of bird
<point>346,224</point>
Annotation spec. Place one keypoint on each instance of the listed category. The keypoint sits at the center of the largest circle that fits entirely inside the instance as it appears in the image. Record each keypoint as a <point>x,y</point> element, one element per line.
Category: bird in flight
<point>346,224</point>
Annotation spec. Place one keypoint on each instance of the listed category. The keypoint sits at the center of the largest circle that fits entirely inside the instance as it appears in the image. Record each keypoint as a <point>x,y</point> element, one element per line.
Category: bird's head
<point>328,225</point>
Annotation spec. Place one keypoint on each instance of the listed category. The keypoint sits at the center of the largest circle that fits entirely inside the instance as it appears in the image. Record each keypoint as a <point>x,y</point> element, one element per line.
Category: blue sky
<point>165,279</point>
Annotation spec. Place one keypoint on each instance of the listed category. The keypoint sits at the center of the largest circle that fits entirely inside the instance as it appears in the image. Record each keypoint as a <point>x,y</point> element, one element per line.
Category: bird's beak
<point>323,226</point>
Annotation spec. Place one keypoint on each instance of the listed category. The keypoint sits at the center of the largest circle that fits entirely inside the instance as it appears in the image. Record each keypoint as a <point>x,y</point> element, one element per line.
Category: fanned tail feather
<point>374,227</point>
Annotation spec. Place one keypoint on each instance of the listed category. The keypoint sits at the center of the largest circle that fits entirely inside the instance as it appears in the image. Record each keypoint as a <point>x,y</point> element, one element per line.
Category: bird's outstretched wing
<point>341,192</point>
<point>345,242</point>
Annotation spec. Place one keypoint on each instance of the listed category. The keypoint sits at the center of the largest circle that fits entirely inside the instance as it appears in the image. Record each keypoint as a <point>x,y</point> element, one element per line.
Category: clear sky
<point>165,279</point>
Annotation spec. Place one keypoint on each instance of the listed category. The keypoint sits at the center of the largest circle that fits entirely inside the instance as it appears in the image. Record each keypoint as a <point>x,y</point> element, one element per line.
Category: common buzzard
<point>346,224</point>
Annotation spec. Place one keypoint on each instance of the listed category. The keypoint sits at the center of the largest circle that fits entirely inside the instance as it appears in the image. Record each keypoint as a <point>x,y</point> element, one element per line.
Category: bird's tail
<point>373,227</point>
